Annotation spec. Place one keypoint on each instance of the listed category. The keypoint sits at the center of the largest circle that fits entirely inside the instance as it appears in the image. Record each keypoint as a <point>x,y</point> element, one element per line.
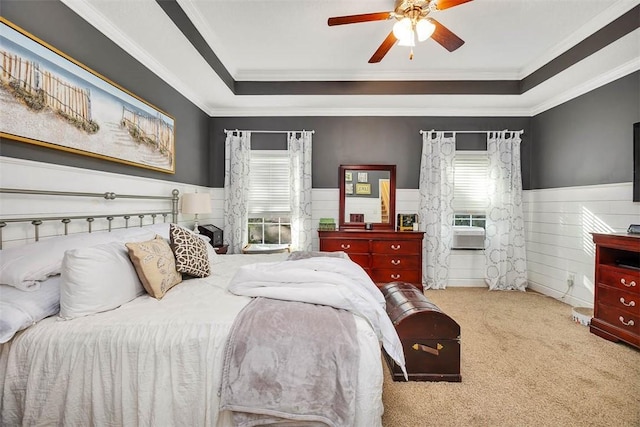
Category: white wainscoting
<point>558,223</point>
<point>26,174</point>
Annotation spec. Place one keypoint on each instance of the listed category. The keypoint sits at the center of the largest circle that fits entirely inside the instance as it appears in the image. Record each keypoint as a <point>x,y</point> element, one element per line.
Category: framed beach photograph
<point>49,99</point>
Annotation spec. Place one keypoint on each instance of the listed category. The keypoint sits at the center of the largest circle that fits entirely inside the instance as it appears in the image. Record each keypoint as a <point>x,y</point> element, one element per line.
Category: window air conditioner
<point>466,237</point>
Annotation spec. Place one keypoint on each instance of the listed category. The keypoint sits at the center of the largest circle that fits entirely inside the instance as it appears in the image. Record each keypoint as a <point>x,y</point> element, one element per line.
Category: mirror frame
<point>377,226</point>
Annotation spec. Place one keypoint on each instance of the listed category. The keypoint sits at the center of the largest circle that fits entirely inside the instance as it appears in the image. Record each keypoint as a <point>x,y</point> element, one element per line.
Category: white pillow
<point>24,267</point>
<point>20,309</point>
<point>96,279</point>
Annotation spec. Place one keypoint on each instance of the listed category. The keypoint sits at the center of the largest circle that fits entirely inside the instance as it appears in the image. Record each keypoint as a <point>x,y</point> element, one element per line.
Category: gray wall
<point>588,140</point>
<point>365,140</point>
<point>54,23</point>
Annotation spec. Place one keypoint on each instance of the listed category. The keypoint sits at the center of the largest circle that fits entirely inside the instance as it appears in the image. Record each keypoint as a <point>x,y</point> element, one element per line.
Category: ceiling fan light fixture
<point>403,31</point>
<point>425,29</point>
<point>409,41</point>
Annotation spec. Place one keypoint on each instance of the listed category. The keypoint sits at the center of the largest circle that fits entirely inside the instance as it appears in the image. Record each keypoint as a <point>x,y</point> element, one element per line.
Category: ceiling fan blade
<point>445,37</point>
<point>355,19</point>
<point>446,4</point>
<point>384,48</point>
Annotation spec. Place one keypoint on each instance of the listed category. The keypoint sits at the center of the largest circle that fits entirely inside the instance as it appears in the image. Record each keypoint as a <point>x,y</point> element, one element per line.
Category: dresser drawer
<point>395,261</point>
<point>396,246</point>
<point>622,278</point>
<point>621,319</point>
<point>622,300</point>
<point>348,246</point>
<point>386,275</point>
<point>361,259</point>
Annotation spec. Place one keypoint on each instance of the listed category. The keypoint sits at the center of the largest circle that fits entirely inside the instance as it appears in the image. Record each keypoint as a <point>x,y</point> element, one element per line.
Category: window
<point>269,198</point>
<point>470,188</point>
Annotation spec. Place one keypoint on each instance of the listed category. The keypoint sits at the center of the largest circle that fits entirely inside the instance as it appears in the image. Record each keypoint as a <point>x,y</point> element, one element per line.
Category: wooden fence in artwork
<point>62,97</point>
<point>151,129</point>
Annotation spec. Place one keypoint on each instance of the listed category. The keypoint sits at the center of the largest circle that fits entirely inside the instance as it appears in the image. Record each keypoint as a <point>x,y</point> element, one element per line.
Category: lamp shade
<point>403,31</point>
<point>196,203</point>
<point>425,29</point>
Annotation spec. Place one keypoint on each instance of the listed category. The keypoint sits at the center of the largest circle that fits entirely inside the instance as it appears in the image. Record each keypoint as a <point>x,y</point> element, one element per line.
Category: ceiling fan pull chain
<point>411,54</point>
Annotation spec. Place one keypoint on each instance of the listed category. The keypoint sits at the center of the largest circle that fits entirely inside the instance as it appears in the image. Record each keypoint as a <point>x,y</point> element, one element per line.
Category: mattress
<point>148,362</point>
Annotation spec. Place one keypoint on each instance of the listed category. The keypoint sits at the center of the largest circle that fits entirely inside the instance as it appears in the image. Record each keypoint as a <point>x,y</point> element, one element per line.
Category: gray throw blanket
<point>291,363</point>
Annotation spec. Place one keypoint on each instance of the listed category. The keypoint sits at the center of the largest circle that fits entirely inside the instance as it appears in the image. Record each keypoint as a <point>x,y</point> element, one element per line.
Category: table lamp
<point>196,203</point>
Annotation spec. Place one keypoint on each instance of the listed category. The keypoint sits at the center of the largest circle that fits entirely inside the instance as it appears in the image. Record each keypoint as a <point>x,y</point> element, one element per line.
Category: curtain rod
<point>267,131</point>
<point>521,131</point>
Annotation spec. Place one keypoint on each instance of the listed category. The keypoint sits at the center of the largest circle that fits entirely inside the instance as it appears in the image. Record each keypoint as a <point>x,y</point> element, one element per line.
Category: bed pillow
<point>96,279</point>
<point>20,309</point>
<point>24,267</point>
<point>190,252</point>
<point>312,254</point>
<point>155,264</point>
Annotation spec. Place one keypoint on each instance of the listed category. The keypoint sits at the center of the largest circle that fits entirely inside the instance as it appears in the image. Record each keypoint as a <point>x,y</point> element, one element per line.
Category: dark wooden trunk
<point>430,339</point>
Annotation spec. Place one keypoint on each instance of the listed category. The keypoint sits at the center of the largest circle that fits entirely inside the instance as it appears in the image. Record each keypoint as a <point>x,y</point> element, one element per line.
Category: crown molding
<point>207,33</point>
<point>614,74</point>
<point>87,12</point>
<point>353,75</point>
<point>373,112</point>
<point>598,22</point>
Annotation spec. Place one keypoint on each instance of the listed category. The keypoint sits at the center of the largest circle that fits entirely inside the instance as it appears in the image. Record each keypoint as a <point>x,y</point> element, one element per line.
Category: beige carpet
<point>524,362</point>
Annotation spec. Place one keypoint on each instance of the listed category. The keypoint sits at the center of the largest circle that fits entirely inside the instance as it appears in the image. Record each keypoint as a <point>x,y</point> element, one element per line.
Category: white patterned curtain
<point>505,251</point>
<point>237,158</point>
<point>300,167</point>
<point>436,209</point>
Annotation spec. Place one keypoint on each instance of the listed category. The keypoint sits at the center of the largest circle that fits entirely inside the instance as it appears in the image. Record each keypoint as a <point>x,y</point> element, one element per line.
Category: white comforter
<point>148,362</point>
<point>335,282</point>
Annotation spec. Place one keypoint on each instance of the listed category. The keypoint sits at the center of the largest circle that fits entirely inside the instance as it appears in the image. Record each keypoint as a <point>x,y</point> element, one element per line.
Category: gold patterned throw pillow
<point>155,264</point>
<point>190,252</point>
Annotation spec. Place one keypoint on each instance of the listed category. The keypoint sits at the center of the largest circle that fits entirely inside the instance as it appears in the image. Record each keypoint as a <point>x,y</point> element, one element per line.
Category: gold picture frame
<point>52,100</point>
<point>406,221</point>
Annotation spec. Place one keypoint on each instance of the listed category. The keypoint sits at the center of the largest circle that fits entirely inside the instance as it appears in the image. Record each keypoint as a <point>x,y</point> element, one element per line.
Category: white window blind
<point>470,182</point>
<point>270,188</point>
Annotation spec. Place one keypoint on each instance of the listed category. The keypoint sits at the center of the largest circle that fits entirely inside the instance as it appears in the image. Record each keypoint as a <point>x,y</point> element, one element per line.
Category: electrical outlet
<point>571,279</point>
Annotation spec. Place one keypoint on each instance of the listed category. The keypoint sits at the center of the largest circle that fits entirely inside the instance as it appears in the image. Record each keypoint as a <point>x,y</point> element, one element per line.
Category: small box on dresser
<point>617,290</point>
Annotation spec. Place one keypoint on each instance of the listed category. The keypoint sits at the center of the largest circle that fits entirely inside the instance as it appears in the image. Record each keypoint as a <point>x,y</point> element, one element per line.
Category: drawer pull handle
<point>629,304</point>
<point>395,247</point>
<point>629,323</point>
<point>343,246</point>
<point>630,285</point>
<point>395,276</point>
<point>395,261</point>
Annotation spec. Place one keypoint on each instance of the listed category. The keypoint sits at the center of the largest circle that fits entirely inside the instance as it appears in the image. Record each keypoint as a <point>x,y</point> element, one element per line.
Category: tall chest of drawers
<point>617,291</point>
<point>387,256</point>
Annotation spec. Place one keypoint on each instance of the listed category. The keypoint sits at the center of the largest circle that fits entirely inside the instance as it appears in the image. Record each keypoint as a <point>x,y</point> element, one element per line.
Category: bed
<point>166,361</point>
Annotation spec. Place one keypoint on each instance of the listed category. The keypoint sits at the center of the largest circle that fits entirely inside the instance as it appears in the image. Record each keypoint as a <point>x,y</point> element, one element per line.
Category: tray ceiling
<point>279,57</point>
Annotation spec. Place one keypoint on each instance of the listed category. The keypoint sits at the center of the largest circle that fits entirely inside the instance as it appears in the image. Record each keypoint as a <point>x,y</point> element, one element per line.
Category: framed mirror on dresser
<point>367,196</point>
<point>367,227</point>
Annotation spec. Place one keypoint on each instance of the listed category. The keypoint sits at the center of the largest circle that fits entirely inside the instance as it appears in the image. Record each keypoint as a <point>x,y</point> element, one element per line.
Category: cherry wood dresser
<point>387,256</point>
<point>617,291</point>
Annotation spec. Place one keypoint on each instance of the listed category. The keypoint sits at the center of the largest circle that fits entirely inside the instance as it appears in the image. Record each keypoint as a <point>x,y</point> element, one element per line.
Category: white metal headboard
<point>66,219</point>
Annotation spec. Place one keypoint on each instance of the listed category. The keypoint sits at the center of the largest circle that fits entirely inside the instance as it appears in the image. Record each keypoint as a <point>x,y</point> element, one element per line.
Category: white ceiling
<point>289,40</point>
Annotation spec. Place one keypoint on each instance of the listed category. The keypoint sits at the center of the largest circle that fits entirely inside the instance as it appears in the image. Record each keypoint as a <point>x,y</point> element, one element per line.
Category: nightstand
<point>221,250</point>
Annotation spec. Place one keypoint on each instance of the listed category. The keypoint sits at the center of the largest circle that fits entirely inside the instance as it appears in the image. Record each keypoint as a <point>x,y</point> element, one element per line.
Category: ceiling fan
<point>413,21</point>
